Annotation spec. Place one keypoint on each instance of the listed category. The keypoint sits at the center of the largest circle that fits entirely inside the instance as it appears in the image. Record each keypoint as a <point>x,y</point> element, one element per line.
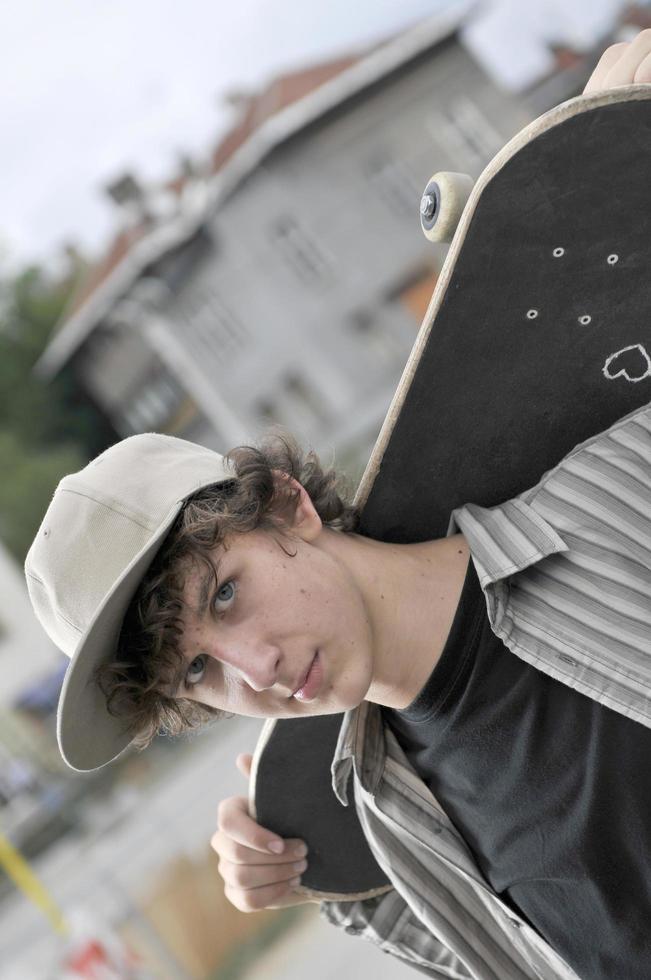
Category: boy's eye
<point>196,670</point>
<point>225,594</point>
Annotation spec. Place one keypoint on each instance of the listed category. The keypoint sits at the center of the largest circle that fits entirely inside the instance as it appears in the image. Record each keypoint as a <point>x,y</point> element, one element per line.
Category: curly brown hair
<point>148,658</point>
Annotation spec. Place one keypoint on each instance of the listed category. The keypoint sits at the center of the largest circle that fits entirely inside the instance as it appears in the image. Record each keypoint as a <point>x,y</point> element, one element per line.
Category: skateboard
<point>537,336</point>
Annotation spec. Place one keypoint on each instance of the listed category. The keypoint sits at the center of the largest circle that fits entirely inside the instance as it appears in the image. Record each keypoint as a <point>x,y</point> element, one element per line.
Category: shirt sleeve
<point>388,922</point>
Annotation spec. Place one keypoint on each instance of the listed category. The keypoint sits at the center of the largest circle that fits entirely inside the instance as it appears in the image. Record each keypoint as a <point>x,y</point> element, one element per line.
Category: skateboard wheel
<point>442,204</point>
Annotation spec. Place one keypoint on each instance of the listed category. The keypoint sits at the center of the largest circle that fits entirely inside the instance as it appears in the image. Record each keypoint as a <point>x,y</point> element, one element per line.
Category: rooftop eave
<point>364,73</point>
<point>147,250</point>
<point>278,128</point>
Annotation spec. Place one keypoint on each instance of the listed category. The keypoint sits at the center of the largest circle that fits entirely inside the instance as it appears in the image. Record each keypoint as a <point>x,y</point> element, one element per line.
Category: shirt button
<point>515,923</point>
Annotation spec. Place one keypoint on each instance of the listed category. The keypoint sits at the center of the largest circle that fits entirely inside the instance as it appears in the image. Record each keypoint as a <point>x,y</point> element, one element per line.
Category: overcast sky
<point>90,88</point>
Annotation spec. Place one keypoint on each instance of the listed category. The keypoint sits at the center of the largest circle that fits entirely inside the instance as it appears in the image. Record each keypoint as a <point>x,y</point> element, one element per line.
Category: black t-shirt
<point>550,790</point>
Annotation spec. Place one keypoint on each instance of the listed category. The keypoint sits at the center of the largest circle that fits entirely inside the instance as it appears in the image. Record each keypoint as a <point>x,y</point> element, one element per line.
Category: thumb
<point>243,763</point>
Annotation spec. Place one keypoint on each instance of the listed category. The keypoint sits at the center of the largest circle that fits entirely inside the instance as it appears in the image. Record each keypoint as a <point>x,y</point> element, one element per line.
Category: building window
<point>266,410</point>
<point>376,340</point>
<point>304,397</point>
<point>294,403</point>
<point>391,182</point>
<point>300,252</point>
<point>213,327</point>
<point>465,132</point>
<point>153,404</point>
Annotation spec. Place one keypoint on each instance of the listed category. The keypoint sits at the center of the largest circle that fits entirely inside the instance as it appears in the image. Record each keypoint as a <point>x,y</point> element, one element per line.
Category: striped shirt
<point>566,571</point>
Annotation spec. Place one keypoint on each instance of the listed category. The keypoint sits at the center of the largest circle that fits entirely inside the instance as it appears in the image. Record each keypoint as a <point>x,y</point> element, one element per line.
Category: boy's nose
<point>256,662</point>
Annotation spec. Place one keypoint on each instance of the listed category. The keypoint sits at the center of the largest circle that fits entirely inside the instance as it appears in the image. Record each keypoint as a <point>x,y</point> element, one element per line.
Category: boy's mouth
<point>311,682</point>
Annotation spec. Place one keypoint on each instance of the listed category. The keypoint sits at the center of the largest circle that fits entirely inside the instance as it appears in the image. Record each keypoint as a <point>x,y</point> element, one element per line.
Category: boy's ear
<point>305,522</point>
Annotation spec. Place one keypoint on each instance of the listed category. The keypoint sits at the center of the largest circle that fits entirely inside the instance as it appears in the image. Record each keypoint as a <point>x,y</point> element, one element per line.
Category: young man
<point>501,793</point>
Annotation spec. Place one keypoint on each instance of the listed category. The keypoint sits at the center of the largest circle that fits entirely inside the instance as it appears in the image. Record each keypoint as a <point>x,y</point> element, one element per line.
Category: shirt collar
<point>505,539</point>
<point>360,749</point>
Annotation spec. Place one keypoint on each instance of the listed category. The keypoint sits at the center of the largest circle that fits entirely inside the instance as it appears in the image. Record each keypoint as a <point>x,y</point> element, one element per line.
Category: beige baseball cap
<point>99,535</point>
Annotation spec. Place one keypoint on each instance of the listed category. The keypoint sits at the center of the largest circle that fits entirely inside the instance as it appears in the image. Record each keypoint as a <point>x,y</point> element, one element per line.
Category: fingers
<point>243,763</point>
<point>643,71</point>
<point>233,821</point>
<point>257,877</point>
<point>259,868</point>
<point>254,881</point>
<point>238,853</point>
<point>623,64</point>
<point>272,897</point>
<point>627,67</point>
<point>609,58</point>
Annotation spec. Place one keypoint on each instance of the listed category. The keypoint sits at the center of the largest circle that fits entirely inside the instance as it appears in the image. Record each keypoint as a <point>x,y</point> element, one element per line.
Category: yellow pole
<point>24,878</point>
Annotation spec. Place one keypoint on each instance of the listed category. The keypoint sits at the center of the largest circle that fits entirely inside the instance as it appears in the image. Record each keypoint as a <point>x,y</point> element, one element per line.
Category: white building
<point>291,283</point>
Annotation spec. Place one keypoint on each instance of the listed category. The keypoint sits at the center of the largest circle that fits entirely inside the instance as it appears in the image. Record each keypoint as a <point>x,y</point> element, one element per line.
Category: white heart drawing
<point>618,374</point>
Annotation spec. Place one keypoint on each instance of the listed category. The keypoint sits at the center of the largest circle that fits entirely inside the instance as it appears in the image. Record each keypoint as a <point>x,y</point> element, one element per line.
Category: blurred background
<point>209,224</point>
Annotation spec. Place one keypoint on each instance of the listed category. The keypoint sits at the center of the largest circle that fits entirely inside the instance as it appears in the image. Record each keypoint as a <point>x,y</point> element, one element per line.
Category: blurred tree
<point>30,476</point>
<point>46,429</point>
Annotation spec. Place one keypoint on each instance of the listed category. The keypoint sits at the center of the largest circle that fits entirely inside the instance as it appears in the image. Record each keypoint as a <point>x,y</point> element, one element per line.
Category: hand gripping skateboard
<point>537,337</point>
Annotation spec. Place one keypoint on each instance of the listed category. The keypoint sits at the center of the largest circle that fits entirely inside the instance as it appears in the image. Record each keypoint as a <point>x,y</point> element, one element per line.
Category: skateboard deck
<point>538,336</point>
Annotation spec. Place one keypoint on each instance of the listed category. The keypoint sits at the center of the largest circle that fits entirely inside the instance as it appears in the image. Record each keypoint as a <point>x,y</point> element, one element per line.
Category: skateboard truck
<point>442,204</point>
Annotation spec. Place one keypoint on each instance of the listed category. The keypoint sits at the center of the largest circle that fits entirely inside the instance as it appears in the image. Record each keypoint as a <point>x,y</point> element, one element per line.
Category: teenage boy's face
<point>250,641</point>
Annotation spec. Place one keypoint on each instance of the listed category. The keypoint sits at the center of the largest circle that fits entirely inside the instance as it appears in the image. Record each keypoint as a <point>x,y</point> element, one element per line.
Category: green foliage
<point>46,429</point>
<point>29,479</point>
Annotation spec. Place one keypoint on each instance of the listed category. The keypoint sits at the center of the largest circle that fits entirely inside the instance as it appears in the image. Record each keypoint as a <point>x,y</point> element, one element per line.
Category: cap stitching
<point>115,510</point>
<point>35,578</point>
<point>77,629</point>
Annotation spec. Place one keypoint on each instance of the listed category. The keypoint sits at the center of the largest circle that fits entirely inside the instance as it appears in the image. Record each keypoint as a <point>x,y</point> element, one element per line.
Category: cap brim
<point>89,737</point>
